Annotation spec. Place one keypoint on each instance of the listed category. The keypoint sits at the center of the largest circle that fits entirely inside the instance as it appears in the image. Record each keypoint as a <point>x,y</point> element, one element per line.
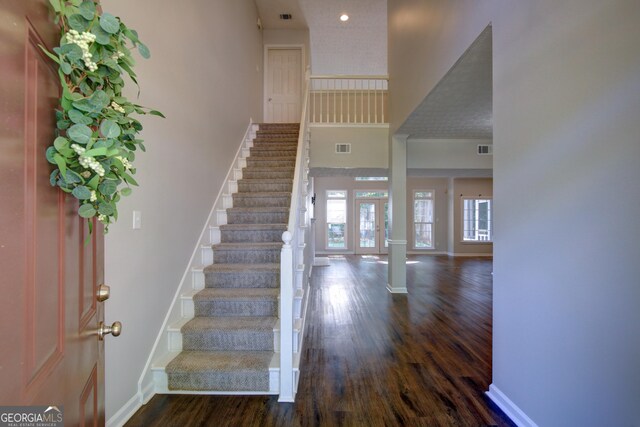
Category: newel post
<point>286,320</point>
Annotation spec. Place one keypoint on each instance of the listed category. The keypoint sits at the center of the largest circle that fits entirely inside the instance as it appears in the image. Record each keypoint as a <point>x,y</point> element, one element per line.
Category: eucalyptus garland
<point>96,138</point>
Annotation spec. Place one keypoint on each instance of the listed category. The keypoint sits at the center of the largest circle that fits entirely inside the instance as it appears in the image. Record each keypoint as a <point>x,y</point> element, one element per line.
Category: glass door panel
<point>367,227</point>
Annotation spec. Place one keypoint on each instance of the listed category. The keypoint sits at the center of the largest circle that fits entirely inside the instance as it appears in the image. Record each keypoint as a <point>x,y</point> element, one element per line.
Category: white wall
<point>566,152</point>
<point>447,154</point>
<point>203,76</point>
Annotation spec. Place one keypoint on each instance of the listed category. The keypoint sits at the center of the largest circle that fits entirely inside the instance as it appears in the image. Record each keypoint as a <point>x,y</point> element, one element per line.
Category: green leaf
<point>49,154</point>
<point>49,54</point>
<point>61,162</point>
<point>81,192</point>
<point>78,23</point>
<point>65,67</point>
<point>72,177</point>
<point>109,129</point>
<point>156,113</point>
<point>71,51</point>
<point>56,5</point>
<point>93,182</point>
<point>109,23</point>
<point>63,124</point>
<point>78,118</point>
<point>53,177</point>
<point>108,187</point>
<point>102,151</point>
<point>80,133</point>
<point>102,37</point>
<point>144,51</point>
<point>88,9</point>
<point>125,191</point>
<point>131,35</point>
<point>61,143</point>
<point>93,104</point>
<point>129,179</point>
<point>106,209</point>
<point>87,211</point>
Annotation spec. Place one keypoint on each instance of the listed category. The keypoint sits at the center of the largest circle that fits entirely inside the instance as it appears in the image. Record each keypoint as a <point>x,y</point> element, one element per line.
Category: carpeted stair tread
<point>220,370</point>
<point>254,268</point>
<point>252,227</point>
<point>259,209</point>
<point>232,294</point>
<point>247,246</point>
<point>229,324</point>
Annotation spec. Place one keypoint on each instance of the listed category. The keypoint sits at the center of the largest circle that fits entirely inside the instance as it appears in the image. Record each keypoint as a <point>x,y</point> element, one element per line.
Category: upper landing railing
<point>343,99</point>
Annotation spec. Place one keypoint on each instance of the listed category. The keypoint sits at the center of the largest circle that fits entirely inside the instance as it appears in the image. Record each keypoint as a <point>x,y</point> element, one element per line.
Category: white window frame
<point>346,219</point>
<point>433,215</point>
<point>489,230</point>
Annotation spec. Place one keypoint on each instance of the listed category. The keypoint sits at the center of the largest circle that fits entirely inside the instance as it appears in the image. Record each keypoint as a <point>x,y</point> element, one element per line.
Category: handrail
<point>289,257</point>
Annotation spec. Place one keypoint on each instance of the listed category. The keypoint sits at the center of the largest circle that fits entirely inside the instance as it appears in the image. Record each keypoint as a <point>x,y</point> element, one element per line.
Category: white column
<point>397,281</point>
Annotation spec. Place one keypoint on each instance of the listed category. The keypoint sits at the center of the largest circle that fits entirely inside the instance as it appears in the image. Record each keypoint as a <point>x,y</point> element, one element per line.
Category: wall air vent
<point>485,149</point>
<point>286,16</point>
<point>343,148</point>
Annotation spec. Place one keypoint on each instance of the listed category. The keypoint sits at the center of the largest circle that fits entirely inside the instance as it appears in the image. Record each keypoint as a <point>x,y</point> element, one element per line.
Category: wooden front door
<point>283,88</point>
<point>49,315</point>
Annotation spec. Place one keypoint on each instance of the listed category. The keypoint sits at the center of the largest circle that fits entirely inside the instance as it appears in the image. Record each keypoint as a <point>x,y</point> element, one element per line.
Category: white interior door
<point>283,88</point>
<point>372,226</point>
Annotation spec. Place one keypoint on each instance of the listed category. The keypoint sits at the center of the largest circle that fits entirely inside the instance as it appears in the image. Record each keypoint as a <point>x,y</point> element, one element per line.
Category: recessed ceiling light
<point>344,17</point>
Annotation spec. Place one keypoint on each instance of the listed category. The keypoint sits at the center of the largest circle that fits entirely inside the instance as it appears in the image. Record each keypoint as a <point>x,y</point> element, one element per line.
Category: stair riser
<point>248,173</point>
<point>272,152</point>
<point>246,256</point>
<point>259,187</point>
<point>267,163</point>
<point>251,236</point>
<point>287,144</point>
<point>249,279</point>
<point>236,308</point>
<point>219,381</point>
<point>257,217</point>
<point>213,340</point>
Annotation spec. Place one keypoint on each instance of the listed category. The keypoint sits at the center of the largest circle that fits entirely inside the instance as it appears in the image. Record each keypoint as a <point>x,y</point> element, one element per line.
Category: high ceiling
<point>460,106</point>
<point>270,11</point>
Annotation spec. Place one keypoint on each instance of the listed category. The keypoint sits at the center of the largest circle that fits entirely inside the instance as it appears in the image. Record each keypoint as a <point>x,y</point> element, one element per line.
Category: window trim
<point>346,220</point>
<point>433,214</point>
<point>476,242</point>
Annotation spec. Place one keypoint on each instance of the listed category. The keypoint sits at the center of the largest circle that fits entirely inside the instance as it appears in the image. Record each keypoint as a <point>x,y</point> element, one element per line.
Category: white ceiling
<point>460,106</point>
<point>358,46</point>
<point>270,10</point>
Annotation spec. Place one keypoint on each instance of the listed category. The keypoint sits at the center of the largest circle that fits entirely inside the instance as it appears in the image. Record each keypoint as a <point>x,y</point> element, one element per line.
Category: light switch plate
<point>137,220</point>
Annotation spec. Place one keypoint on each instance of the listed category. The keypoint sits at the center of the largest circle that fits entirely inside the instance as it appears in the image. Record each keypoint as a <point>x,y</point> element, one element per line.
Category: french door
<point>372,226</point>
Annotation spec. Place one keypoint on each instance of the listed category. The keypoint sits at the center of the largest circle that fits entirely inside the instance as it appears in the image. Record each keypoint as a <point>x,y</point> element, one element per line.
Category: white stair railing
<point>344,99</point>
<point>295,261</point>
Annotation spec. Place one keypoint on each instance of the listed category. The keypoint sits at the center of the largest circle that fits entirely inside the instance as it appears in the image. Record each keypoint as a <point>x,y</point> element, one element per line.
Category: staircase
<point>229,345</point>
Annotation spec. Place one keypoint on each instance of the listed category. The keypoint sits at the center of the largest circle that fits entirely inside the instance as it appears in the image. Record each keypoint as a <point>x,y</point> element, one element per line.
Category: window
<point>477,220</point>
<point>423,219</point>
<point>372,178</point>
<point>336,219</point>
<point>382,194</point>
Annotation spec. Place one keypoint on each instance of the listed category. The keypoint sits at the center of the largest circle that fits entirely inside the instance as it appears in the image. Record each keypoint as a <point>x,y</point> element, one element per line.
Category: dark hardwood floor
<point>374,359</point>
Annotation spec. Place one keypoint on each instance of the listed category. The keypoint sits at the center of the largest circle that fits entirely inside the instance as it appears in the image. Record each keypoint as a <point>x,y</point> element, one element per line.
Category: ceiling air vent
<point>485,149</point>
<point>286,16</point>
<point>343,148</point>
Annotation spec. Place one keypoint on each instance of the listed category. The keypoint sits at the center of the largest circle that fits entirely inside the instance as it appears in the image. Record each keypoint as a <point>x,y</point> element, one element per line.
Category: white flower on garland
<point>117,107</point>
<point>88,162</point>
<point>102,218</point>
<point>83,40</point>
<point>125,162</point>
<point>93,197</point>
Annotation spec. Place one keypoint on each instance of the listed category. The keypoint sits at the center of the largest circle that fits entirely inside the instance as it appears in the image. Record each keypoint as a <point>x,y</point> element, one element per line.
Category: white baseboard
<point>397,290</point>
<point>508,407</point>
<point>469,254</point>
<point>128,409</point>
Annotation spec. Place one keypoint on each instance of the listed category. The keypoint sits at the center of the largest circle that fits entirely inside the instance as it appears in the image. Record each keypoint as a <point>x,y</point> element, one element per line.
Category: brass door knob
<point>103,294</point>
<point>114,330</point>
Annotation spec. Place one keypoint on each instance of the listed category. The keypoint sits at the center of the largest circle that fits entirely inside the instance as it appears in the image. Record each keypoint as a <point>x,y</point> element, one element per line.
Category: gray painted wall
<point>566,171</point>
<point>202,75</point>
